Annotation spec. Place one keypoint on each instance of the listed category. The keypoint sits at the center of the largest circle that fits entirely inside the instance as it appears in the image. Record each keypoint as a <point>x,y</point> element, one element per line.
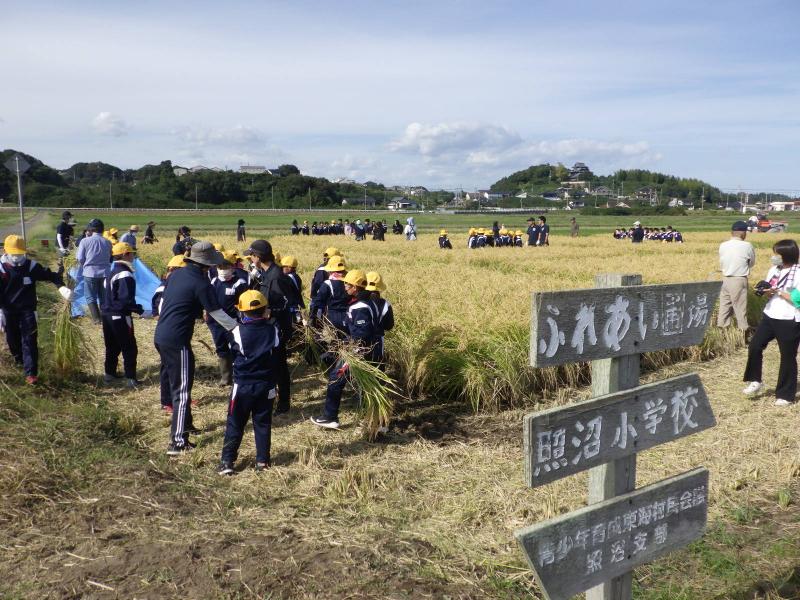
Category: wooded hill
<point>157,186</point>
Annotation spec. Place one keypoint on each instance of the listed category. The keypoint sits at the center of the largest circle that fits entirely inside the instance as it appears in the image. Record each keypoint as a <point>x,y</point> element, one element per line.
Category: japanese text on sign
<point>576,551</point>
<point>566,440</point>
<point>581,325</point>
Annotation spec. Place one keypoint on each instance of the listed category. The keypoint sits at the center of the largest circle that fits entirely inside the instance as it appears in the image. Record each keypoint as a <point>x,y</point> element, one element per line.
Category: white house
<point>400,203</point>
<point>253,169</point>
<point>356,201</point>
<point>178,171</point>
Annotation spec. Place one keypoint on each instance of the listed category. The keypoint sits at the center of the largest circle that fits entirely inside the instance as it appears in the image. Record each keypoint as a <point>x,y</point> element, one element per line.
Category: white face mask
<point>16,259</point>
<point>776,260</point>
<point>225,274</point>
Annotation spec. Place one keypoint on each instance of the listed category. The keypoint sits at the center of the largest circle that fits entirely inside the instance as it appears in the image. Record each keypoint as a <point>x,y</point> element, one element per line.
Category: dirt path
<point>30,223</point>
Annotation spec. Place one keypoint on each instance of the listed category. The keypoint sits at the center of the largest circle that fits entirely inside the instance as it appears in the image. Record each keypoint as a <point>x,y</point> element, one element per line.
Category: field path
<point>30,223</point>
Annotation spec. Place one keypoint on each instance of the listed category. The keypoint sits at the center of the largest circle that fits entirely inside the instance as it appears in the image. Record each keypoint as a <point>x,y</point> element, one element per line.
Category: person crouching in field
<point>362,329</point>
<point>18,301</point>
<point>253,381</point>
<point>119,303</point>
<point>444,242</point>
<point>780,321</point>
<point>228,286</point>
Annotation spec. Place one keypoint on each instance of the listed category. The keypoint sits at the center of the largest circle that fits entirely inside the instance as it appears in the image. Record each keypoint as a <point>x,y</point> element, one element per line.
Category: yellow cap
<point>331,252</point>
<point>336,263</point>
<point>356,277</point>
<point>517,232</point>
<point>113,231</point>
<point>481,231</point>
<point>375,282</point>
<point>289,261</point>
<point>133,228</point>
<point>121,248</point>
<point>504,231</point>
<point>14,244</point>
<point>443,232</point>
<point>219,247</point>
<point>472,231</point>
<point>176,262</point>
<point>229,256</point>
<point>251,300</point>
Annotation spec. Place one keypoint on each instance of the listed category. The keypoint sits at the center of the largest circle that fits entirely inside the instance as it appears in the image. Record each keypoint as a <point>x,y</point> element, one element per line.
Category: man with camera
<point>736,258</point>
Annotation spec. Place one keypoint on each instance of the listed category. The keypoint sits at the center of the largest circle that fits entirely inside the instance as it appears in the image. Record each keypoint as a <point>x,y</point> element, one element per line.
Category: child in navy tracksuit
<point>444,241</point>
<point>362,328</point>
<point>331,300</point>
<point>119,302</point>
<point>228,285</point>
<point>18,318</point>
<point>254,381</point>
<point>384,314</point>
<point>289,265</point>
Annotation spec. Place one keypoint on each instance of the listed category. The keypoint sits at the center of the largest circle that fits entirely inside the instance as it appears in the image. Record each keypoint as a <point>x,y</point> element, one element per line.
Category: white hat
<point>635,223</point>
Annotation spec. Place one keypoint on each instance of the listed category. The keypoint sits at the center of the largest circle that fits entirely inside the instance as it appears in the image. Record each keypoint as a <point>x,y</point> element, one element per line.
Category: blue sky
<point>445,94</point>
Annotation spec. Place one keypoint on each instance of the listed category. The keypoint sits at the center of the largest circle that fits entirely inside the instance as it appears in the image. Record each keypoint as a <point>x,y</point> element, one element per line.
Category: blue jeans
<point>93,289</point>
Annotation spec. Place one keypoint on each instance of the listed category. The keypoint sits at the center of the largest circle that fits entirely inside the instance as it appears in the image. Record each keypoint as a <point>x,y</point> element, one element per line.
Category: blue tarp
<point>146,284</point>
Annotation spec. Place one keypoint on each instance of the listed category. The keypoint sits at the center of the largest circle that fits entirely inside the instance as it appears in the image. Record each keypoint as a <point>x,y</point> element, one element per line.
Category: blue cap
<point>739,226</point>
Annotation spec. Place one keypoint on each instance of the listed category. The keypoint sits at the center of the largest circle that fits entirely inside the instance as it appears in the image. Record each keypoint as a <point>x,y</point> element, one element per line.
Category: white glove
<point>2,321</point>
<point>66,293</point>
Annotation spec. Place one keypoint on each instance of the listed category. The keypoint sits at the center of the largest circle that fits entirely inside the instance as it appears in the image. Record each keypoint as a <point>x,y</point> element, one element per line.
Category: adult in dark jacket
<point>189,293</point>
<point>268,278</point>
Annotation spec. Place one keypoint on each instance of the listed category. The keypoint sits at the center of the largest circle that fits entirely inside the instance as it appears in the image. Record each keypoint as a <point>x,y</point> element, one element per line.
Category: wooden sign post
<point>605,433</point>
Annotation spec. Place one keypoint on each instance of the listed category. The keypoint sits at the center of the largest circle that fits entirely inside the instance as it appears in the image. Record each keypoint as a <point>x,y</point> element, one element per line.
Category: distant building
<point>178,171</point>
<point>252,169</point>
<point>417,191</point>
<point>602,190</point>
<point>579,172</point>
<point>344,180</point>
<point>401,203</point>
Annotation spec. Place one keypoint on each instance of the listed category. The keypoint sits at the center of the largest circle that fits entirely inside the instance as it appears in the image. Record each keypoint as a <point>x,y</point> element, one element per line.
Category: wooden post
<point>618,476</point>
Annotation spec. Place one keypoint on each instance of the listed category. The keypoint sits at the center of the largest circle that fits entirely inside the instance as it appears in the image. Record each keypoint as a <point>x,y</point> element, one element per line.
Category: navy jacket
<point>18,284</point>
<point>331,301</point>
<point>385,315</point>
<point>362,326</point>
<point>155,303</point>
<point>298,285</point>
<point>228,292</point>
<point>188,293</point>
<point>280,294</point>
<point>119,287</point>
<point>444,242</point>
<point>252,344</point>
<point>320,275</point>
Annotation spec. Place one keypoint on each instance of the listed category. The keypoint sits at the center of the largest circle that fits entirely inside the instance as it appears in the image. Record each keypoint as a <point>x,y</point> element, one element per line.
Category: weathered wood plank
<point>591,324</point>
<point>615,477</point>
<point>579,550</point>
<point>565,440</point>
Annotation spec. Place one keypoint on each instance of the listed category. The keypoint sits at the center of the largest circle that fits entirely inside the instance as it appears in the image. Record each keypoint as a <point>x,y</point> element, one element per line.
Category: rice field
<point>426,511</point>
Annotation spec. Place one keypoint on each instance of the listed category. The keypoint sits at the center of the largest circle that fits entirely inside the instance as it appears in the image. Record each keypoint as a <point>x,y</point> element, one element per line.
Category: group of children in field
<point>639,233</point>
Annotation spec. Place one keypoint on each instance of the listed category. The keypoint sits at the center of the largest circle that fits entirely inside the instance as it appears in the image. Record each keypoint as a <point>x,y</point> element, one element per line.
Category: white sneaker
<point>782,402</point>
<point>752,388</point>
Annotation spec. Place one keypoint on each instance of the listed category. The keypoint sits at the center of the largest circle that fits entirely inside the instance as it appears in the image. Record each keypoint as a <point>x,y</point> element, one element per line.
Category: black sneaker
<point>262,466</point>
<point>225,468</point>
<point>326,423</point>
<point>281,410</point>
<point>177,449</point>
<point>193,430</point>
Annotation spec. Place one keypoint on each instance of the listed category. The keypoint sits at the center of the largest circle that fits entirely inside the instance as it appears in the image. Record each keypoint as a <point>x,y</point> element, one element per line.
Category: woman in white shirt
<point>781,322</point>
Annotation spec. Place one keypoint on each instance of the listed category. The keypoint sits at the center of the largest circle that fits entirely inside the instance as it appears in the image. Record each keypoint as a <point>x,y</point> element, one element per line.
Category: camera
<point>761,287</point>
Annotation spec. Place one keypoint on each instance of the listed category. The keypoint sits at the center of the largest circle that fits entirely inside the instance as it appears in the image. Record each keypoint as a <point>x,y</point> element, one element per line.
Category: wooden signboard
<point>569,439</point>
<point>596,323</point>
<point>602,541</point>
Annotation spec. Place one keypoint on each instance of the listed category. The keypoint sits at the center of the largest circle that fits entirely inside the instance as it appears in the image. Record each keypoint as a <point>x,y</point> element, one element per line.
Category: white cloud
<point>106,123</point>
<point>448,138</point>
<point>236,136</point>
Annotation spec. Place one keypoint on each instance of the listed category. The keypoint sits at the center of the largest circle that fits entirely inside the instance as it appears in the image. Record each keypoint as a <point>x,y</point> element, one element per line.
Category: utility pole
<point>365,197</point>
<point>110,200</point>
<point>309,199</point>
<point>19,165</point>
<point>272,189</point>
<point>195,196</point>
